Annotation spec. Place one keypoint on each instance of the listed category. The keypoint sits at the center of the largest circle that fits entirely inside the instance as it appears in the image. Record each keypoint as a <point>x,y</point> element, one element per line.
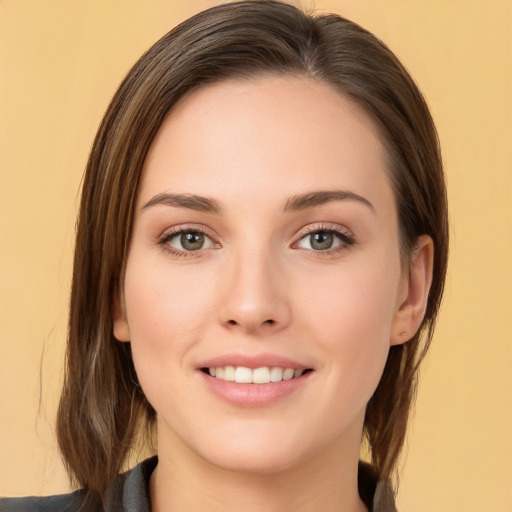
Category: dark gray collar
<point>131,490</point>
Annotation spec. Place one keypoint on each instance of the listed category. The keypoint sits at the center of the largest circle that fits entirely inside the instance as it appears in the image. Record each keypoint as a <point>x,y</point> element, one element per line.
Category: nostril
<point>269,321</point>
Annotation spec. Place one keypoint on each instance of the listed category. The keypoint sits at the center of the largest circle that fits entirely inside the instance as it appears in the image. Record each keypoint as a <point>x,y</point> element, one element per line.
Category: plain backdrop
<point>60,63</point>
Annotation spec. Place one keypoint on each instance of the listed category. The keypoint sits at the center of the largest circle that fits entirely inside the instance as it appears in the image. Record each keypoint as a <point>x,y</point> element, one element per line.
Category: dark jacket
<point>130,493</point>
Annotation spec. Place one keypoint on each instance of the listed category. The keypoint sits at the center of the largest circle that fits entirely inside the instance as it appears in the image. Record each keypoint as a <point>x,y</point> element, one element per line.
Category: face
<point>265,246</point>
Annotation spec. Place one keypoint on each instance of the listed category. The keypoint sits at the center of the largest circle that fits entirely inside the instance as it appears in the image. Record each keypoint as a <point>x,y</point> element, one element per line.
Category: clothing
<point>130,493</point>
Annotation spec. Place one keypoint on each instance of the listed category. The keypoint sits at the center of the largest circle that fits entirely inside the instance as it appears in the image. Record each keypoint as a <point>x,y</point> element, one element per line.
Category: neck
<point>185,481</point>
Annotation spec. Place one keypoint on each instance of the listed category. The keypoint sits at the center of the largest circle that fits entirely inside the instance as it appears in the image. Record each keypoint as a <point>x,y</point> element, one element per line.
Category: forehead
<point>294,133</point>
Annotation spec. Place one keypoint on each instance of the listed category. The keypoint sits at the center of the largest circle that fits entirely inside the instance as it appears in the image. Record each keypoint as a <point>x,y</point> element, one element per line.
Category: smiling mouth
<point>262,375</point>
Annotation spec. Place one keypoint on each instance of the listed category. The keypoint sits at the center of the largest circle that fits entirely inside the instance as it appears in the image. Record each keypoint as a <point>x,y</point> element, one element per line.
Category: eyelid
<point>171,232</point>
<point>342,232</point>
<point>179,228</point>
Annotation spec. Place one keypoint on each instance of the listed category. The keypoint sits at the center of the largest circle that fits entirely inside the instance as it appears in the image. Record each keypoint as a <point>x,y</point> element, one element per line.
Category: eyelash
<point>343,235</point>
<point>164,240</point>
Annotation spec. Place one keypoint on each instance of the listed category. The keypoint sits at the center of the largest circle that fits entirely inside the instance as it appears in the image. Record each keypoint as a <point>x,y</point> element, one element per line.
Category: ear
<point>121,329</point>
<point>413,292</point>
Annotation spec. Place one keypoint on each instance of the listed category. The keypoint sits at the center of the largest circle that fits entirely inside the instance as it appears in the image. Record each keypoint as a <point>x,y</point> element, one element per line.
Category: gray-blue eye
<point>190,241</point>
<point>320,241</point>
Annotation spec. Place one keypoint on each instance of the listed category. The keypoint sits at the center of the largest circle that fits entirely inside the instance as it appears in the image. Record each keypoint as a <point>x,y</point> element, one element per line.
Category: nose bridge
<point>253,297</point>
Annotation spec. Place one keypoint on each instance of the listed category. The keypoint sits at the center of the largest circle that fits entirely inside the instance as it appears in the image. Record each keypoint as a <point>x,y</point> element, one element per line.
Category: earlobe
<point>413,297</point>
<point>120,327</point>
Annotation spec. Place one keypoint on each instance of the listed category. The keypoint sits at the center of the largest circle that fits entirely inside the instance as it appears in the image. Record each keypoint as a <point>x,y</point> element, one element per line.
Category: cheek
<point>166,316</point>
<point>359,299</point>
<point>162,297</point>
<point>350,315</point>
<point>166,312</point>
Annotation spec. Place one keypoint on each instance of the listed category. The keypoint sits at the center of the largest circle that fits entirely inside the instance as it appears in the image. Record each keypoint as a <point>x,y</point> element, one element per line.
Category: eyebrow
<point>311,199</point>
<point>293,204</point>
<point>190,201</point>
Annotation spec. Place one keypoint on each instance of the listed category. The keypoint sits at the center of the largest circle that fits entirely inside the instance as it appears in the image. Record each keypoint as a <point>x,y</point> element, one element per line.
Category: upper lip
<point>253,361</point>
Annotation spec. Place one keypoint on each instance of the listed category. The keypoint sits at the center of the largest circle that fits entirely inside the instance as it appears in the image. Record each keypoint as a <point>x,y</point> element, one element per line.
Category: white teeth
<point>276,374</point>
<point>243,375</point>
<point>288,374</point>
<point>262,375</point>
<point>229,373</point>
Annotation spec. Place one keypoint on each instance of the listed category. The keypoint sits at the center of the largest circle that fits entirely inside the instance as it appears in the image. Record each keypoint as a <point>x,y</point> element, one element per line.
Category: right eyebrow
<point>311,199</point>
<point>190,201</point>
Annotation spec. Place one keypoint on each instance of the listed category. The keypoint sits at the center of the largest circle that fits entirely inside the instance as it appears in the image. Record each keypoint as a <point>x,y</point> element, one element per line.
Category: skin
<point>258,285</point>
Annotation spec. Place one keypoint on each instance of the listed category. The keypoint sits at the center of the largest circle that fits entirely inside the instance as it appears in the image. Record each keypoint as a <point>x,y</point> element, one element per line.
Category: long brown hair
<point>102,406</point>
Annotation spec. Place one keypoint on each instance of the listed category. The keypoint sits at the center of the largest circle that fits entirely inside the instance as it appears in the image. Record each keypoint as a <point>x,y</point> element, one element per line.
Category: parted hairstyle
<point>103,408</point>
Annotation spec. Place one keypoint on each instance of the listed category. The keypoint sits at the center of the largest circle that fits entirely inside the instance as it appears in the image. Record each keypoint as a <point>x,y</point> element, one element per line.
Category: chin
<point>265,448</point>
<point>248,448</point>
<point>254,461</point>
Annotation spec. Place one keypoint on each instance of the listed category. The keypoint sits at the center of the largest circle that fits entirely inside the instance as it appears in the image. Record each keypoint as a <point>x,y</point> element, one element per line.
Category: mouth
<point>255,380</point>
<point>261,375</point>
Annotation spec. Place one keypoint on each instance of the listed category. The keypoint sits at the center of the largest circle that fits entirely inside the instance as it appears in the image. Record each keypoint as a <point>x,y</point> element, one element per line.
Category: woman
<point>254,271</point>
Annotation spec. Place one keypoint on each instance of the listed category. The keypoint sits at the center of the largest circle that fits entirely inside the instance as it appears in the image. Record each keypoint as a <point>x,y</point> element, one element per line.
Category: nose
<point>254,298</point>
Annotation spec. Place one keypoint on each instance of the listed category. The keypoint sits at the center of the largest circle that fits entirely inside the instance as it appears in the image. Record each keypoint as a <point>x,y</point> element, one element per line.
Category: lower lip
<point>254,395</point>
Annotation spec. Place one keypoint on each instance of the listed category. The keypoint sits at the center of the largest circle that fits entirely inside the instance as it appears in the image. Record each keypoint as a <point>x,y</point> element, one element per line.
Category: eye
<point>324,240</point>
<point>187,241</point>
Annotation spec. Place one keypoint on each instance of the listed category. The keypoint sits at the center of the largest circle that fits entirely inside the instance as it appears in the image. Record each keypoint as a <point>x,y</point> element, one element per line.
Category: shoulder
<point>60,503</point>
<point>129,492</point>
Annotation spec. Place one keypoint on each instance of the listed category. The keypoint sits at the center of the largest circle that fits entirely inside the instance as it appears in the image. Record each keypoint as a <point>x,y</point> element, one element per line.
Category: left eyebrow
<point>311,199</point>
<point>190,201</point>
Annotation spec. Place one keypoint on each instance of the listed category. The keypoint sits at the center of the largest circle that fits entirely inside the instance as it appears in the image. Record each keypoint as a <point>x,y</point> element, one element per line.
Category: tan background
<point>60,62</point>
